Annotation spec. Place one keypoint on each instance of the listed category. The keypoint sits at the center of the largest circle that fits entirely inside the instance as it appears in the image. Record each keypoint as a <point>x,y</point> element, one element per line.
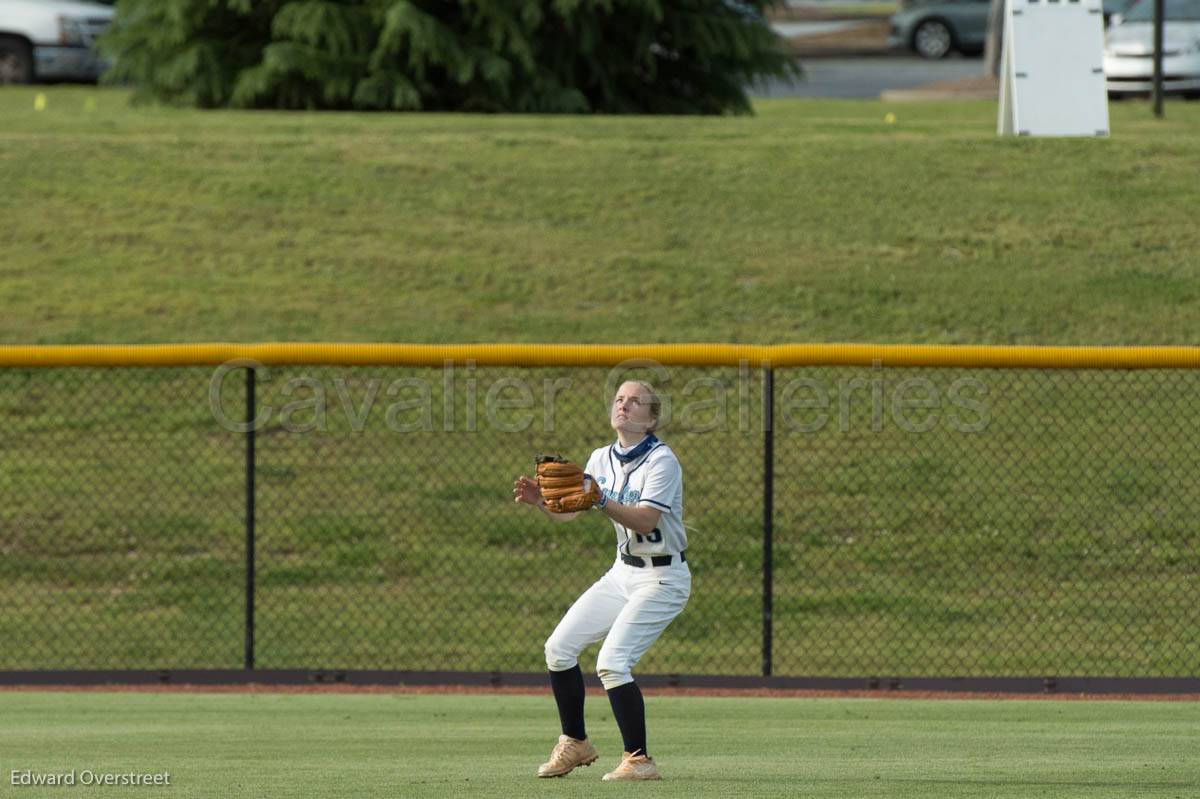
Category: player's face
<point>631,409</point>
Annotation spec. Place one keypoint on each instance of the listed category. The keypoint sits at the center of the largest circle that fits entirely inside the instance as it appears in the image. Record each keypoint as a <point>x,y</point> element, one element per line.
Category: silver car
<point>1129,49</point>
<point>936,28</point>
<point>51,40</point>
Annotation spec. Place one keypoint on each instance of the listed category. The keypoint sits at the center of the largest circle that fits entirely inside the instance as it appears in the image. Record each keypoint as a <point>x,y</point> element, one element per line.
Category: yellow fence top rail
<point>604,355</point>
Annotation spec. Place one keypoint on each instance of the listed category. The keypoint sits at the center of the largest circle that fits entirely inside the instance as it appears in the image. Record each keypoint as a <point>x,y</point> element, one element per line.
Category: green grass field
<point>272,745</point>
<point>812,221</point>
<point>1060,541</point>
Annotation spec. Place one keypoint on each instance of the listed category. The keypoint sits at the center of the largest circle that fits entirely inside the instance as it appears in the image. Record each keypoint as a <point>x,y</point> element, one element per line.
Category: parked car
<point>1129,49</point>
<point>936,28</point>
<point>51,40</point>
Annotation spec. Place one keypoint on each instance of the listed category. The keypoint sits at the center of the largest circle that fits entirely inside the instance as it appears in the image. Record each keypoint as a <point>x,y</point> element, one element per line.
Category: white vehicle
<point>51,40</point>
<point>1129,49</point>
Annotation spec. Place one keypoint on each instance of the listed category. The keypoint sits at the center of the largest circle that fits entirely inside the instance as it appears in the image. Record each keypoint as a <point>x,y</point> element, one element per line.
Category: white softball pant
<point>629,605</point>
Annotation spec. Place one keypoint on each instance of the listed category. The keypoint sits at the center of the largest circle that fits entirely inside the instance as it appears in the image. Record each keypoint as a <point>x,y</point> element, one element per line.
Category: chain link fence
<point>924,522</point>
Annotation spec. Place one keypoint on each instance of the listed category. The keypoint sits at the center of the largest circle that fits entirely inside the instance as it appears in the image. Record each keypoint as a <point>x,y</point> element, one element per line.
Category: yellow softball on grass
<point>889,118</point>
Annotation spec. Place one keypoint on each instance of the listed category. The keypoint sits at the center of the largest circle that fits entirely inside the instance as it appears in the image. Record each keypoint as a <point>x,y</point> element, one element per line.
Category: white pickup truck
<point>51,40</point>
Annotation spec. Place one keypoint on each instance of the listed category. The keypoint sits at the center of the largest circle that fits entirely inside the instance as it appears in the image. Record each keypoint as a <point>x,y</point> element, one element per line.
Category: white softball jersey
<point>630,606</point>
<point>653,480</point>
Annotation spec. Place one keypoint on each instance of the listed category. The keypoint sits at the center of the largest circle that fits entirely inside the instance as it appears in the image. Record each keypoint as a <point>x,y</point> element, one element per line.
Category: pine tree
<point>544,56</point>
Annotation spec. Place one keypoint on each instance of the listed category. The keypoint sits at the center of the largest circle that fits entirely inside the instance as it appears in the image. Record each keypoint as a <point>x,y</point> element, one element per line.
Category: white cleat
<point>568,753</point>
<point>634,766</point>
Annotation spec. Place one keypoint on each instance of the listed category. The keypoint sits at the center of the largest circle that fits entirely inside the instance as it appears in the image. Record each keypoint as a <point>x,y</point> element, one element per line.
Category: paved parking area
<point>864,78</point>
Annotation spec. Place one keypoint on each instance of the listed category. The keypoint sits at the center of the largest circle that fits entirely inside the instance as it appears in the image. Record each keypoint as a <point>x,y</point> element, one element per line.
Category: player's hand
<point>527,491</point>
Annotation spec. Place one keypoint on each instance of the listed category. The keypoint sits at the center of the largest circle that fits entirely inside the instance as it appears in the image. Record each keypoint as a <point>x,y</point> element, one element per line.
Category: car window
<point>1143,11</point>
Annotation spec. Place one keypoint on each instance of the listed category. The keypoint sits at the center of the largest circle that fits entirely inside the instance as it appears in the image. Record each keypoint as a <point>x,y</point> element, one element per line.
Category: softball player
<point>629,607</point>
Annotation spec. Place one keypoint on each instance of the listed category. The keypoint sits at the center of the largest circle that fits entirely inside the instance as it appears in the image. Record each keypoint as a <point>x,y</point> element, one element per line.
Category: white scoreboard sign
<point>1052,69</point>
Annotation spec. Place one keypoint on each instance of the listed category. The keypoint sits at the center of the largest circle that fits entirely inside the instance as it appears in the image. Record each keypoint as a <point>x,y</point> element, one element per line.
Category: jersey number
<point>654,537</point>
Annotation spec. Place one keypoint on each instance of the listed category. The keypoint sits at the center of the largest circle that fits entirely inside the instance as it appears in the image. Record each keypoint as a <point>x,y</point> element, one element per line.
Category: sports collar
<point>644,446</point>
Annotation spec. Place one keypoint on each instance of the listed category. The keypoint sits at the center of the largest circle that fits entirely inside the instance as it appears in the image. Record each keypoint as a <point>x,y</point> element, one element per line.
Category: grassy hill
<point>812,221</point>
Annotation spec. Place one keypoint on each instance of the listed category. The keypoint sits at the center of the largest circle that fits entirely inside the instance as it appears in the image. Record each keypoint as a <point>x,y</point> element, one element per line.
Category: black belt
<point>656,560</point>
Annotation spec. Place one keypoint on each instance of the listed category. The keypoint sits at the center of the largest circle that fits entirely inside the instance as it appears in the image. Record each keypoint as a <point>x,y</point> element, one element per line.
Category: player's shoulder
<point>598,454</point>
<point>662,452</point>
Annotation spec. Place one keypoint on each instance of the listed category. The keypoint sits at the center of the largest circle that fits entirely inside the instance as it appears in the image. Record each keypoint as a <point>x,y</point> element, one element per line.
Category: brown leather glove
<point>564,485</point>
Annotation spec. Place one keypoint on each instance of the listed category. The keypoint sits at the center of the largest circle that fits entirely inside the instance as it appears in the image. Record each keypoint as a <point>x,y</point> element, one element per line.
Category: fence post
<point>768,514</point>
<point>251,415</point>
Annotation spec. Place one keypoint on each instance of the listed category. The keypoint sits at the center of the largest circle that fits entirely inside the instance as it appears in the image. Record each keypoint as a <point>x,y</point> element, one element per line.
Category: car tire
<point>933,39</point>
<point>16,60</point>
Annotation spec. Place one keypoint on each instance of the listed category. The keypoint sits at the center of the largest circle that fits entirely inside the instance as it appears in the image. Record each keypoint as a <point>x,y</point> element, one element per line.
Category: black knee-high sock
<point>630,712</point>
<point>569,694</point>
